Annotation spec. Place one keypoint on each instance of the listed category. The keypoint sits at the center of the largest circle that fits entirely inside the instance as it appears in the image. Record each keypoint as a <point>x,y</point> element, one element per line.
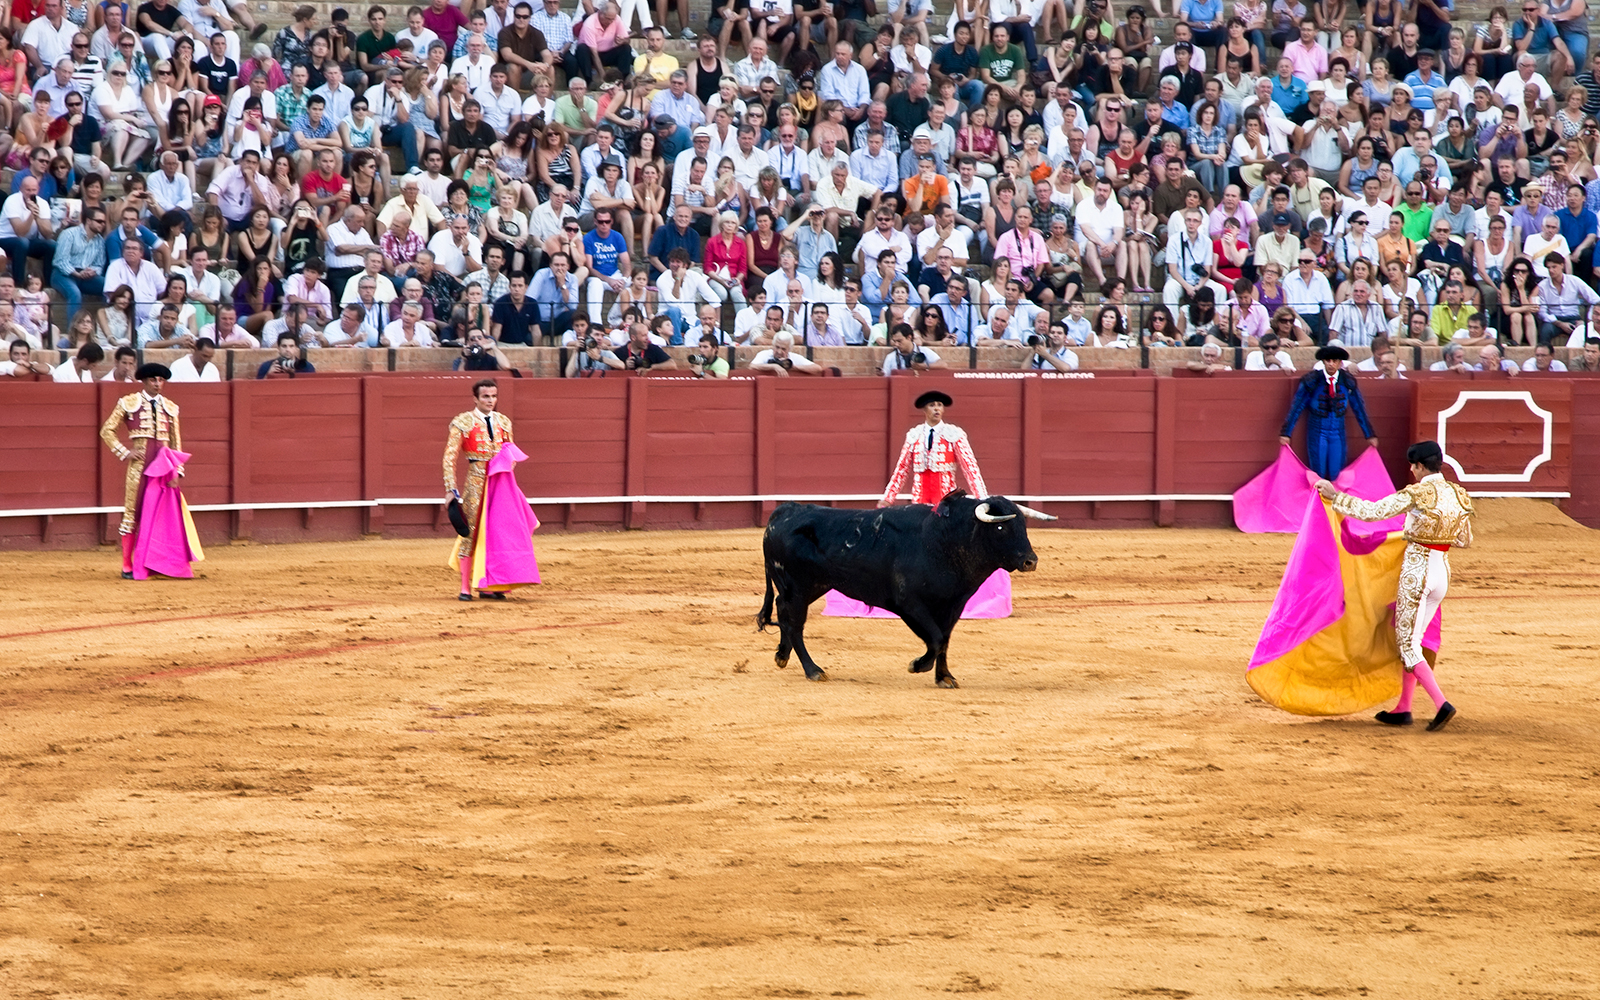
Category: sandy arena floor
<point>315,774</point>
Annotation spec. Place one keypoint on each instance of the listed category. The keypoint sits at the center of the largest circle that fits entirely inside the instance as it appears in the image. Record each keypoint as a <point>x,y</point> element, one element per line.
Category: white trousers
<point>1424,579</point>
<point>629,6</point>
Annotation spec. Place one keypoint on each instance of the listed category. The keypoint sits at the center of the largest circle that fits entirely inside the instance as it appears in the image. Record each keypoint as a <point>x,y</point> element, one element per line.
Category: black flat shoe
<point>127,574</point>
<point>463,597</point>
<point>491,595</point>
<point>1394,718</point>
<point>1447,712</point>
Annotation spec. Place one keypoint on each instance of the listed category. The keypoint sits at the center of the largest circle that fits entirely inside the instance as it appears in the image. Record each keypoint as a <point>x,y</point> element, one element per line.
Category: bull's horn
<point>987,518</point>
<point>1037,515</point>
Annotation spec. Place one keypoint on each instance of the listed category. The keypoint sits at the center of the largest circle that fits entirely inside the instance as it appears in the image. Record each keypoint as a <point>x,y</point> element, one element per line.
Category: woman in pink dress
<point>727,258</point>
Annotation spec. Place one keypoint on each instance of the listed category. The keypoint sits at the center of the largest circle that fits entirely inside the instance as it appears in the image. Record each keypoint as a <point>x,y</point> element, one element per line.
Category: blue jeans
<point>678,323</point>
<point>404,136</point>
<point>1577,39</point>
<point>1258,38</point>
<point>19,250</point>
<point>74,289</point>
<point>1211,176</point>
<point>1022,34</point>
<point>971,93</point>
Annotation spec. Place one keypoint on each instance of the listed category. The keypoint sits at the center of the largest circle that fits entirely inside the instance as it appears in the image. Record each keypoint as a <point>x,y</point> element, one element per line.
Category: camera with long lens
<point>918,358</point>
<point>1034,340</point>
<point>696,360</point>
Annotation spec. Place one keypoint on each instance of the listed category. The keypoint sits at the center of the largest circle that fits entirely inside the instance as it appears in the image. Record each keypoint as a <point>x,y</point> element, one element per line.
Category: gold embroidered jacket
<point>1438,512</point>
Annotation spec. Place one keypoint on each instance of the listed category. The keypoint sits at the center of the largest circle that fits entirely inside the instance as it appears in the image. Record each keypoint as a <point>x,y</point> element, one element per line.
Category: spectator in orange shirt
<point>925,190</point>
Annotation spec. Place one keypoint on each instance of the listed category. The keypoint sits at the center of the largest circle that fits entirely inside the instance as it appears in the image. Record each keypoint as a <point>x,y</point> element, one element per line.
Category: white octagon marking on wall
<point>1526,398</point>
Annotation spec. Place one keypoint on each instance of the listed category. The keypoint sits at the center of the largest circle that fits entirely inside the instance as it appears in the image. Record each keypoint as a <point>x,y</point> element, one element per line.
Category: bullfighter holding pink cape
<point>495,553</point>
<point>157,533</point>
<point>1357,618</point>
<point>929,458</point>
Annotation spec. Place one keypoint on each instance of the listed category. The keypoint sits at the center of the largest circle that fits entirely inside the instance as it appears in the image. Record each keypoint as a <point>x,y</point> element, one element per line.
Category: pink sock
<point>127,553</point>
<point>1424,675</point>
<point>466,576</point>
<point>1408,687</point>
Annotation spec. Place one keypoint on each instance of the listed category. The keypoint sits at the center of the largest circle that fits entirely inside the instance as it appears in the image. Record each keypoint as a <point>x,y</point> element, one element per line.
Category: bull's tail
<point>764,618</point>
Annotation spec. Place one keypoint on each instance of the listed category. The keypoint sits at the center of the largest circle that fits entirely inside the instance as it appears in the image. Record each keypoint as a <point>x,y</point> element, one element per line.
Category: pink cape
<point>164,539</point>
<point>1275,501</point>
<point>502,557</point>
<point>1328,646</point>
<point>993,600</point>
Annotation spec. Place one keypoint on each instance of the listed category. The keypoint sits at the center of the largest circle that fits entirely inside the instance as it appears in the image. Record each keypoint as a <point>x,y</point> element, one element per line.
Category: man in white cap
<point>700,146</point>
<point>921,145</point>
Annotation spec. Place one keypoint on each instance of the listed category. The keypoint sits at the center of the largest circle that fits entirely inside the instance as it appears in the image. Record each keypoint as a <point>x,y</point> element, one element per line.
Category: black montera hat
<point>1332,353</point>
<point>933,396</point>
<point>1425,452</point>
<point>152,370</point>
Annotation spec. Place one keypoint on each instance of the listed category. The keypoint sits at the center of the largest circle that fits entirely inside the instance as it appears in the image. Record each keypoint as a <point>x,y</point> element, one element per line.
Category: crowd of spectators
<point>815,175</point>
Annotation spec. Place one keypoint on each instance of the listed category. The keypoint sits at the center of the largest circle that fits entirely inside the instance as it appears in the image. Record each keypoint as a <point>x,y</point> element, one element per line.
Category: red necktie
<point>1331,383</point>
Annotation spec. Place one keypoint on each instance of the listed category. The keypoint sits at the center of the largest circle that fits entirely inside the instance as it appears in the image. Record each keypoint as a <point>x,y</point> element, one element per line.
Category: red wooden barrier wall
<point>380,438</point>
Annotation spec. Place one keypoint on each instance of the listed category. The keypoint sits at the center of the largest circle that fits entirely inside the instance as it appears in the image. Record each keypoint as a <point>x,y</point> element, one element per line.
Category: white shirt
<point>777,287</point>
<point>1510,87</point>
<point>1530,365</point>
<point>1307,297</point>
<point>207,286</point>
<point>449,257</point>
<point>800,361</point>
<point>337,108</point>
<point>269,104</point>
<point>748,319</point>
<point>183,370</point>
<point>147,285</point>
<point>170,194</point>
<point>68,372</point>
<point>16,208</point>
<point>477,73</point>
<point>542,222</point>
<point>1100,221</point>
<point>874,243</point>
<point>434,187</point>
<point>340,235</point>
<point>419,41</point>
<point>895,362</point>
<point>497,111</point>
<point>333,334</point>
<point>394,335</point>
<point>383,294</point>
<point>1255,362</point>
<point>746,169</point>
<point>54,44</point>
<point>695,288</point>
<point>959,241</point>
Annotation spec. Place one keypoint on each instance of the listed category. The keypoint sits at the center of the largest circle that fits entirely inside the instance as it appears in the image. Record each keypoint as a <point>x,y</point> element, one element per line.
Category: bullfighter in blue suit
<point>1324,397</point>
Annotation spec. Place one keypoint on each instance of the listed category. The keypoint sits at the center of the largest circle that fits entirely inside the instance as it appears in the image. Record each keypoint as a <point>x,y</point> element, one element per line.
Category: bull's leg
<point>794,635</point>
<point>942,676</point>
<point>781,658</point>
<point>920,621</point>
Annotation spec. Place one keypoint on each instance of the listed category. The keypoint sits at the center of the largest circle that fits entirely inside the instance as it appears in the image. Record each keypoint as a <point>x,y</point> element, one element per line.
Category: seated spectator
<point>780,359</point>
<point>1543,360</point>
<point>289,362</point>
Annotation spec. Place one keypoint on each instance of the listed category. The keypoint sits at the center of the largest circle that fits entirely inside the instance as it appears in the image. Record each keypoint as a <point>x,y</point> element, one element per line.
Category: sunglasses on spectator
<point>119,72</point>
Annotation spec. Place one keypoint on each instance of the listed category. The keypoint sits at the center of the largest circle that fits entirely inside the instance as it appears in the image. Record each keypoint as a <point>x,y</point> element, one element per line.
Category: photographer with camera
<point>780,360</point>
<point>1189,261</point>
<point>592,358</point>
<point>480,354</point>
<point>289,362</point>
<point>639,355</point>
<point>908,354</point>
<point>708,363</point>
<point>1051,351</point>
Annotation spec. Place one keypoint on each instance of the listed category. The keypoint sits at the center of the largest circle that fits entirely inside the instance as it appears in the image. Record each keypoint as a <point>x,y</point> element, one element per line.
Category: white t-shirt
<point>1255,362</point>
<point>959,241</point>
<point>449,257</point>
<point>1530,365</point>
<point>800,361</point>
<point>183,370</point>
<point>15,208</point>
<point>68,372</point>
<point>1100,221</point>
<point>497,111</point>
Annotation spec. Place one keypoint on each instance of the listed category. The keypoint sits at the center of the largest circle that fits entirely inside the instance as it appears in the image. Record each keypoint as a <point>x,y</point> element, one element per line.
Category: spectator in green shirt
<point>577,111</point>
<point>1418,213</point>
<point>374,45</point>
<point>1002,64</point>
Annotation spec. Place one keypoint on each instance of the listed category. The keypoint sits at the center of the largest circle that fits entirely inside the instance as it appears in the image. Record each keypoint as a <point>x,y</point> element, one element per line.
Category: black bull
<point>922,563</point>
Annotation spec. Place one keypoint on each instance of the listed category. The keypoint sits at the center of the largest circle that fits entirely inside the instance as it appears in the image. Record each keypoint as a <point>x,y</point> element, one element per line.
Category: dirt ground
<point>314,774</point>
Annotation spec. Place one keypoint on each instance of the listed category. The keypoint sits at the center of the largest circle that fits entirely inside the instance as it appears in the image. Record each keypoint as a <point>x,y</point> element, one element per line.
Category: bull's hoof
<point>781,661</point>
<point>918,667</point>
<point>946,682</point>
<point>820,675</point>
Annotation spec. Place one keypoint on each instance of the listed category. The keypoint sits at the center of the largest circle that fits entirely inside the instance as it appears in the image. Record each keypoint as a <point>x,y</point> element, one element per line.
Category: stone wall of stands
<point>339,456</point>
